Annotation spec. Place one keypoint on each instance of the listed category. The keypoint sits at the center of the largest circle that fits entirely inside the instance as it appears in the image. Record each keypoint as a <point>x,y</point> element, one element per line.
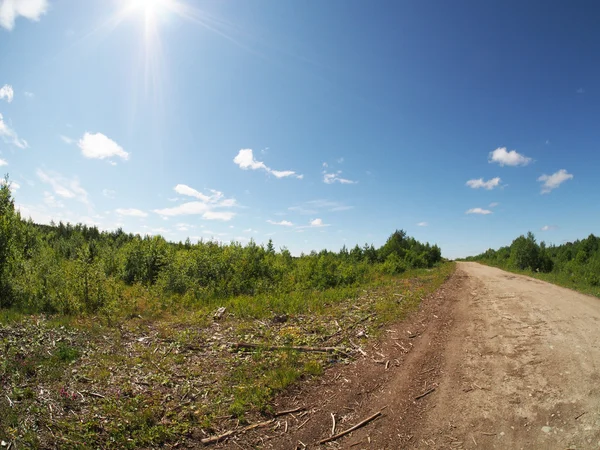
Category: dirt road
<point>514,363</point>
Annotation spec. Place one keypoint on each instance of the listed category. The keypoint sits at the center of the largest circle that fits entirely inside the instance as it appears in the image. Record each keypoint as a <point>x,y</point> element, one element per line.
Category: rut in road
<point>508,361</point>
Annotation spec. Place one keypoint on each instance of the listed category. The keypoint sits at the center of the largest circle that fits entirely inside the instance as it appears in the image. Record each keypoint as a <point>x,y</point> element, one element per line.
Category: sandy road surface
<point>530,352</point>
<point>515,363</point>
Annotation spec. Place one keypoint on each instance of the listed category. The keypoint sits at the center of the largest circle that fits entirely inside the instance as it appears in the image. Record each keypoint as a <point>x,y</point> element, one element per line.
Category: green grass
<point>560,279</point>
<point>146,381</point>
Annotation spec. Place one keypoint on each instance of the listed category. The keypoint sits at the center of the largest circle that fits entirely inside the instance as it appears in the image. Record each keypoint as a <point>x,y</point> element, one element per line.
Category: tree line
<point>74,269</point>
<point>573,262</point>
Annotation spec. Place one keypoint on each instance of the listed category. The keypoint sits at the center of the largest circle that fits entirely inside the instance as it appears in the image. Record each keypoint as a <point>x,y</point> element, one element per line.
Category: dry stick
<point>333,426</point>
<point>239,345</point>
<point>93,394</point>
<point>303,423</point>
<point>351,429</point>
<point>427,371</point>
<point>289,411</point>
<point>580,415</point>
<point>215,439</point>
<point>424,394</point>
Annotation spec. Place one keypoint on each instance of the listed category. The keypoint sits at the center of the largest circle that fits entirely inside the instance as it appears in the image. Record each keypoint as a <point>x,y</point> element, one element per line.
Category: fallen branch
<point>220,437</point>
<point>351,429</point>
<point>93,394</point>
<point>289,411</point>
<point>424,394</point>
<point>299,348</point>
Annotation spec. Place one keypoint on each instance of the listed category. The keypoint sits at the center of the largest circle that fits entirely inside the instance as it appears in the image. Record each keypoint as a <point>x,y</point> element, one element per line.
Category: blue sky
<point>315,124</point>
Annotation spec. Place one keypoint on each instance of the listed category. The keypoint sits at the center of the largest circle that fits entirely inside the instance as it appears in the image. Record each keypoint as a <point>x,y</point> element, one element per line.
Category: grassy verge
<point>560,279</point>
<point>157,380</point>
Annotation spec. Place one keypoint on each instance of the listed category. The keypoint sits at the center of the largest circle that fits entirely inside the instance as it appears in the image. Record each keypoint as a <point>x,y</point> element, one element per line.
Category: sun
<point>150,9</point>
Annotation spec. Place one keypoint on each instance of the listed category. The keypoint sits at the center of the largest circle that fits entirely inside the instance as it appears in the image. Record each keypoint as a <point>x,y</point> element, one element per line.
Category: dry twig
<point>220,437</point>
<point>351,429</point>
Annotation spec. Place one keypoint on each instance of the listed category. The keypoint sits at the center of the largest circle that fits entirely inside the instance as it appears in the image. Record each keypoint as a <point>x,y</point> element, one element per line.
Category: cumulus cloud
<point>318,223</point>
<point>245,159</point>
<point>548,228</point>
<point>98,146</point>
<point>3,163</point>
<point>210,207</point>
<point>334,177</point>
<point>479,183</point>
<point>6,92</point>
<point>283,223</point>
<point>10,10</point>
<point>131,212</point>
<point>422,224</point>
<point>10,136</point>
<point>555,180</point>
<point>64,187</point>
<point>508,158</point>
<point>478,211</point>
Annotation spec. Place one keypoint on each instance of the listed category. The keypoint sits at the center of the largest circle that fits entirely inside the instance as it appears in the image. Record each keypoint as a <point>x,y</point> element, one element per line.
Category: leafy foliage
<point>573,264</point>
<point>75,269</point>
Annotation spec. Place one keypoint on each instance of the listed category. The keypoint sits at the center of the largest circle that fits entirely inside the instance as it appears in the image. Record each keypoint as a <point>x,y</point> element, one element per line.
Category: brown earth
<point>514,362</point>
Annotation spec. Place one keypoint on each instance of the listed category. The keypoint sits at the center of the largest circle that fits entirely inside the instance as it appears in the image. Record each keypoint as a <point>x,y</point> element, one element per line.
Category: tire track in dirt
<point>514,363</point>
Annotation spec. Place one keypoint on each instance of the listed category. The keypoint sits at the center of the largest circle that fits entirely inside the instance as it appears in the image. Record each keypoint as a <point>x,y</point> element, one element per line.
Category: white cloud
<point>109,193</point>
<point>478,211</point>
<point>313,206</point>
<point>98,146</point>
<point>29,94</point>
<point>318,223</point>
<point>548,228</point>
<point>66,139</point>
<point>64,187</point>
<point>493,204</point>
<point>330,178</point>
<point>422,224</point>
<point>3,163</point>
<point>508,158</point>
<point>6,92</point>
<point>10,136</point>
<point>479,183</point>
<point>183,189</point>
<point>218,215</point>
<point>284,223</point>
<point>245,159</point>
<point>51,201</point>
<point>131,212</point>
<point>30,9</point>
<point>555,180</point>
<point>208,206</point>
